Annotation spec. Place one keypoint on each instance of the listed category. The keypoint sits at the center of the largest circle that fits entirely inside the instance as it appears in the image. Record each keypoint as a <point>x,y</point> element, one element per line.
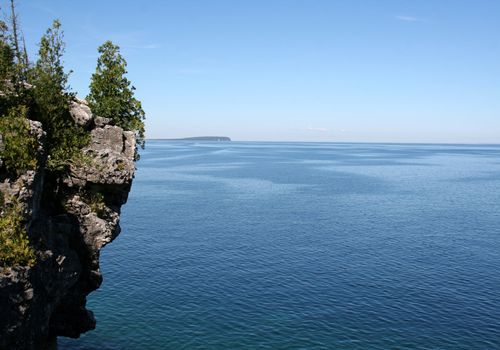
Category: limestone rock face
<point>69,217</point>
<point>111,152</point>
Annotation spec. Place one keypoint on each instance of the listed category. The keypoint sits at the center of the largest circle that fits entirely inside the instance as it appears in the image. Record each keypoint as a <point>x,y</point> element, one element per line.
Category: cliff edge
<point>68,216</point>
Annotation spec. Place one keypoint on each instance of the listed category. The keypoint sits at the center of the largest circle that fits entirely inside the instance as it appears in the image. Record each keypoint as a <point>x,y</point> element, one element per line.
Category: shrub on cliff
<point>19,145</point>
<point>112,95</point>
<point>14,244</point>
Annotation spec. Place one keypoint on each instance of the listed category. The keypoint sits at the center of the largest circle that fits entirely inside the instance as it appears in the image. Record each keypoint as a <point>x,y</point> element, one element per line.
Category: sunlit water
<point>304,246</point>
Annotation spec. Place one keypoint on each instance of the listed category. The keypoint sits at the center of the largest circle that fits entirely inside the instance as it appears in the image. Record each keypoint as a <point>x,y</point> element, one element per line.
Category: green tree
<point>6,55</point>
<point>49,78</point>
<point>65,138</point>
<point>6,69</point>
<point>12,77</point>
<point>112,95</point>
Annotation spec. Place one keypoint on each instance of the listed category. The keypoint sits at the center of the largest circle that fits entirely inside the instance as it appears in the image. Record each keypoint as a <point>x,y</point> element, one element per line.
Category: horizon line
<point>344,142</point>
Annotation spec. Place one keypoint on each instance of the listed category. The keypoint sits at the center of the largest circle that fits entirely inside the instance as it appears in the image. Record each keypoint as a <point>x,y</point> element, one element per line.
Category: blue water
<point>304,246</point>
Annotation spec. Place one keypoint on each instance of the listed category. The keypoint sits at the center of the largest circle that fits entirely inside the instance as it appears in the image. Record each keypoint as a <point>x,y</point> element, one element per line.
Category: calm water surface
<point>304,246</point>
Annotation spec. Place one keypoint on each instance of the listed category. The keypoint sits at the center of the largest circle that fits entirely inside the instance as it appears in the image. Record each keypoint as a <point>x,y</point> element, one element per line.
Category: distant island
<point>202,138</point>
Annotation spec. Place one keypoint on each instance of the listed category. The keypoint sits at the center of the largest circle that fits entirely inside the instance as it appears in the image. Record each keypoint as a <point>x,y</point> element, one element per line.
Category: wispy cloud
<point>408,18</point>
<point>310,128</point>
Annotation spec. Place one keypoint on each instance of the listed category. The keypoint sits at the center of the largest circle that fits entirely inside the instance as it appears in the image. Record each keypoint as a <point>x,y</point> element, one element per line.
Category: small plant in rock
<point>120,165</point>
<point>96,203</point>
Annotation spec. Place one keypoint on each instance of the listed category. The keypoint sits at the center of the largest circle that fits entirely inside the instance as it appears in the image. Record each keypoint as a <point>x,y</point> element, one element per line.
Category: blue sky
<point>298,70</point>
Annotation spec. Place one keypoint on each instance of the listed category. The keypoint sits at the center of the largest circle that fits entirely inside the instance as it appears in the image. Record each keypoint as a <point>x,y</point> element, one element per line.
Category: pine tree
<point>6,54</point>
<point>112,95</point>
<point>12,84</point>
<point>6,68</point>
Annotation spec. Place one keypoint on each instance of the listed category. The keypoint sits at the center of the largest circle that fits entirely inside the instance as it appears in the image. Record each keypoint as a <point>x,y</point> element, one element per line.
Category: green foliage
<point>65,138</point>
<point>6,64</point>
<point>6,54</point>
<point>49,77</point>
<point>7,69</point>
<point>14,64</point>
<point>19,152</point>
<point>112,95</point>
<point>15,249</point>
<point>65,145</point>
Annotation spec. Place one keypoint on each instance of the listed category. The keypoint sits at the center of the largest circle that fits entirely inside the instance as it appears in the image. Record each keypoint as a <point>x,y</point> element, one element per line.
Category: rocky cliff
<point>69,215</point>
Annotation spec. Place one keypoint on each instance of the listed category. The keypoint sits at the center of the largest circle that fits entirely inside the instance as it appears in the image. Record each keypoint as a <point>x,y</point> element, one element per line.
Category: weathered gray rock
<point>101,122</point>
<point>69,218</point>
<point>81,112</point>
<point>110,159</point>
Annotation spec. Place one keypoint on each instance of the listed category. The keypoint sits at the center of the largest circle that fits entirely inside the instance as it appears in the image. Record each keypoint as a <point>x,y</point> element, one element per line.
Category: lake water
<point>304,246</point>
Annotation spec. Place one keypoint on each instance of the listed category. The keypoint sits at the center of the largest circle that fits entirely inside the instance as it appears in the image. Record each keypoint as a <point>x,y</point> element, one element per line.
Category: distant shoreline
<point>202,138</point>
<point>199,138</point>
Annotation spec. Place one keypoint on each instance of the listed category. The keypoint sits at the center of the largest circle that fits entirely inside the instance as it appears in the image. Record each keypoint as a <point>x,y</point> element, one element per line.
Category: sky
<point>294,70</point>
